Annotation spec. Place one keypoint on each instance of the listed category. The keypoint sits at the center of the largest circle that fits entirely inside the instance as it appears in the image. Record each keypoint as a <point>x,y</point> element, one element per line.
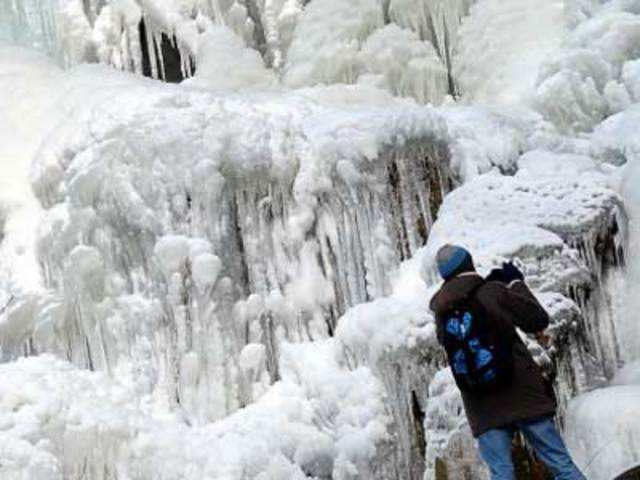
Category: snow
<point>602,429</point>
<point>225,63</point>
<point>396,60</point>
<point>521,216</point>
<point>575,84</point>
<point>236,270</point>
<point>617,139</point>
<point>501,43</point>
<point>27,81</point>
<point>304,425</point>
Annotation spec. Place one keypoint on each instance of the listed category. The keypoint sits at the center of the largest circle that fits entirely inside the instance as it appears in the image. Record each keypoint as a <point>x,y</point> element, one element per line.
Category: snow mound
<point>615,140</point>
<point>603,431</point>
<point>225,63</point>
<point>485,137</point>
<point>320,420</point>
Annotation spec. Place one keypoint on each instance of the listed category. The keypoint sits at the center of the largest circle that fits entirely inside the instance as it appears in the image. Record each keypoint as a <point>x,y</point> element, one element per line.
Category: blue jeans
<point>542,435</point>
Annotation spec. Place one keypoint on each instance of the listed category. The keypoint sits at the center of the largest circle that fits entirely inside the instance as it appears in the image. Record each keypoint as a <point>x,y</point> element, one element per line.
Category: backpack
<point>480,357</point>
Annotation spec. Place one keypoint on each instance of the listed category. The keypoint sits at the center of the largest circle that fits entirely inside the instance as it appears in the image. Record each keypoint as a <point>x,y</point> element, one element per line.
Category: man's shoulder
<point>434,302</point>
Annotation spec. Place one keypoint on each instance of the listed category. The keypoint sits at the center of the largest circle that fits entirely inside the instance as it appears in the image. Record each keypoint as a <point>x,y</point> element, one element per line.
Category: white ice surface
<point>501,43</point>
<point>333,418</point>
<point>27,82</point>
<point>60,422</point>
<point>603,431</point>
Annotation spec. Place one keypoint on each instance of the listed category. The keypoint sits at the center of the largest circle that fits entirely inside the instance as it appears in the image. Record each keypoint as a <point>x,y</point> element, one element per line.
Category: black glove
<point>511,273</point>
<point>496,275</point>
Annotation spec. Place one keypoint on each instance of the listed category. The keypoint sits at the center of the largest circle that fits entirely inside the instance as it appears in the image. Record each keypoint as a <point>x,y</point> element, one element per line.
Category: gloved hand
<point>511,273</point>
<point>496,275</point>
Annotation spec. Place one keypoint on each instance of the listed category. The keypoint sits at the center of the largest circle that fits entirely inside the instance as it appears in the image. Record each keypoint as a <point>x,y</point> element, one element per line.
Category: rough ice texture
<point>501,42</point>
<point>591,77</point>
<point>60,422</point>
<point>345,42</point>
<point>603,429</point>
<point>157,181</point>
<point>190,237</point>
<point>404,47</point>
<point>187,236</point>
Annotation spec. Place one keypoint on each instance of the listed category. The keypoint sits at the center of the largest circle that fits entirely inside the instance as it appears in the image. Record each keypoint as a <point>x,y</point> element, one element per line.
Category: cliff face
<point>570,238</point>
<point>189,241</point>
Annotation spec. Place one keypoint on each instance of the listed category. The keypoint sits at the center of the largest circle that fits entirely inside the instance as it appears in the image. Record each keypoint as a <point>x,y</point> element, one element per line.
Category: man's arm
<point>522,307</point>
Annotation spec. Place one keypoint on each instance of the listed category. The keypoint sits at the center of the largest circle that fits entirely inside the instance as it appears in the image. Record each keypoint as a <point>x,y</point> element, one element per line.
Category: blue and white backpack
<point>480,358</point>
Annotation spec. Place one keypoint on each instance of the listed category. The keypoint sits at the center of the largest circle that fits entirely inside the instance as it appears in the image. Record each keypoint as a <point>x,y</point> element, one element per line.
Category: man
<point>502,392</point>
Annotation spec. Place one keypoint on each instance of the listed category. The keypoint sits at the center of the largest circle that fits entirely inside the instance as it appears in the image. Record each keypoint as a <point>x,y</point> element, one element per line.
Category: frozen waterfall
<point>223,271</point>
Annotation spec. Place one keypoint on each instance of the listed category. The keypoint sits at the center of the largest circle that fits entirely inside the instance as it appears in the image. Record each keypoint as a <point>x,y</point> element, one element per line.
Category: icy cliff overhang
<point>567,230</point>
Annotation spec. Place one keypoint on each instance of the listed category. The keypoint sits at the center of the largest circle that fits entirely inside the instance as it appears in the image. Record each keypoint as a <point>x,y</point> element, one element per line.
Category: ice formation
<point>328,41</point>
<point>614,450</point>
<point>501,42</point>
<point>229,278</point>
<point>590,78</point>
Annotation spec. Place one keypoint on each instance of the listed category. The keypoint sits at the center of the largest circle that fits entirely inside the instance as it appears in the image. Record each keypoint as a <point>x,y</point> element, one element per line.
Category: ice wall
<point>186,236</point>
<point>403,47</point>
<point>501,43</point>
<point>29,22</point>
<point>198,249</point>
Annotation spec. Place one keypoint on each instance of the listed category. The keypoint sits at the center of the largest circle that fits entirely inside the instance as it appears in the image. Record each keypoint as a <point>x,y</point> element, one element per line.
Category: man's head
<point>453,260</point>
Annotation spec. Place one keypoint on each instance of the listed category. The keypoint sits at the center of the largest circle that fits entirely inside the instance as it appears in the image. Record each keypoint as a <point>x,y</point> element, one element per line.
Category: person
<point>504,392</point>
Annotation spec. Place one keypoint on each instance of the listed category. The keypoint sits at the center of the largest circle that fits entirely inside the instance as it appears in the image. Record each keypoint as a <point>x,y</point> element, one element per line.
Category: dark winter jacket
<point>529,396</point>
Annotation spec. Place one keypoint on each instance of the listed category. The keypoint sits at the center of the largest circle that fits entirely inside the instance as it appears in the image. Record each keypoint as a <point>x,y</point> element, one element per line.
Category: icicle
<point>157,40</point>
<point>183,67</point>
<point>151,48</point>
<point>135,47</point>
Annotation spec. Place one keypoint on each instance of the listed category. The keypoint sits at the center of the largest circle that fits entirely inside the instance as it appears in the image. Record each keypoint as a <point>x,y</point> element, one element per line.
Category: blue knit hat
<point>453,259</point>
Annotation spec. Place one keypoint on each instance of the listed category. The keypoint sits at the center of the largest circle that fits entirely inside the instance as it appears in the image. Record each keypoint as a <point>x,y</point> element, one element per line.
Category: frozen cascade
<point>201,250</point>
<point>436,21</point>
<point>175,301</point>
<point>614,139</point>
<point>29,22</point>
<point>370,42</point>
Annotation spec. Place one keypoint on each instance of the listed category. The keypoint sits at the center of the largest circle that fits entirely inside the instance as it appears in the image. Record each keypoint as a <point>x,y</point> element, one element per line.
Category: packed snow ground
<point>123,208</point>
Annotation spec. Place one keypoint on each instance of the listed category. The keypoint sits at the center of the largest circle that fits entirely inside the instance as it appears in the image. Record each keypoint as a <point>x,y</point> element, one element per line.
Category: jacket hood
<point>455,290</point>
